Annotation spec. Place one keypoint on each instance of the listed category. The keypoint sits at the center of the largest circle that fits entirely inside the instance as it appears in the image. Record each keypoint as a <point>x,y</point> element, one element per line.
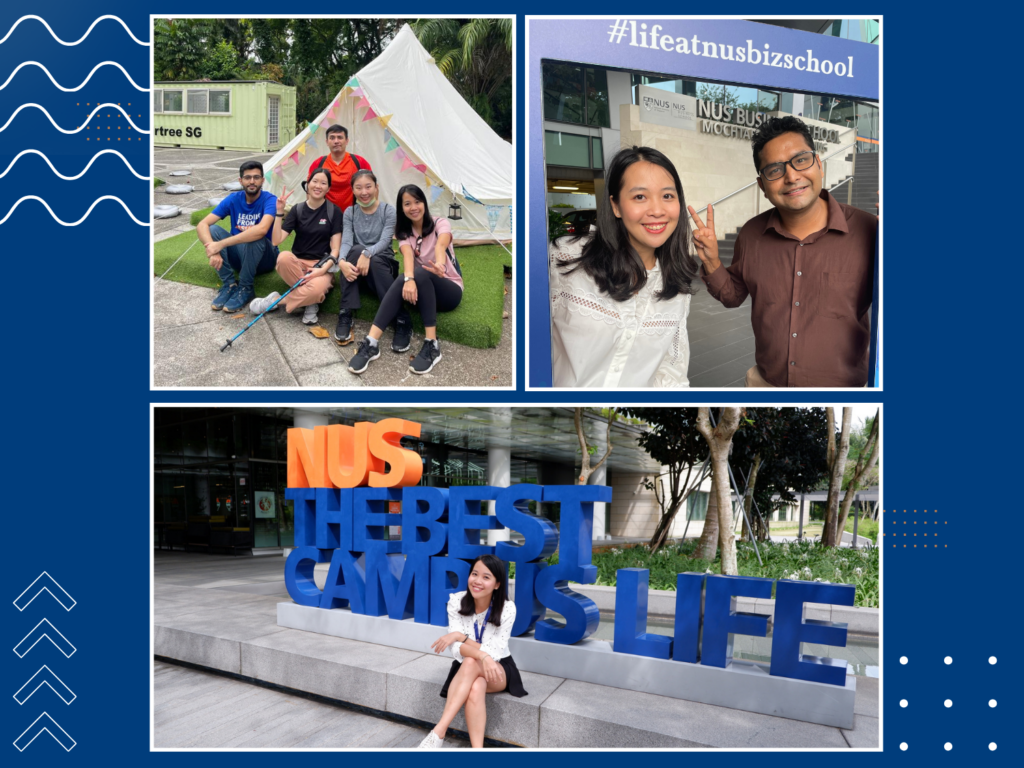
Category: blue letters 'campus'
<point>412,577</point>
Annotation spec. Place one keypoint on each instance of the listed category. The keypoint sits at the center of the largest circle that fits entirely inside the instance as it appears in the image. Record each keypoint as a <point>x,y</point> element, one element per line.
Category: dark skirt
<point>513,682</point>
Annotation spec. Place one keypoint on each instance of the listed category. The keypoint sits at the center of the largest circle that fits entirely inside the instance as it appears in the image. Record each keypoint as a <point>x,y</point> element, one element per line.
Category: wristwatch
<point>408,279</point>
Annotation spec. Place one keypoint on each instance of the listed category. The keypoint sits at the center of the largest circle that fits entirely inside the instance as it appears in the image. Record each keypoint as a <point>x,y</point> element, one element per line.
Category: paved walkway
<point>220,612</point>
<point>205,711</point>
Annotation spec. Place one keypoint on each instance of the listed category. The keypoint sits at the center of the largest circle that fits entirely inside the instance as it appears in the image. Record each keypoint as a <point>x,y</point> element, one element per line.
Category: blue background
<point>77,405</point>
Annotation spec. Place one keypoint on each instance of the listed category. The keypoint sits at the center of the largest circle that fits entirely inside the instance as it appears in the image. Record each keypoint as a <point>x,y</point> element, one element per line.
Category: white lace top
<point>599,342</point>
<point>495,640</point>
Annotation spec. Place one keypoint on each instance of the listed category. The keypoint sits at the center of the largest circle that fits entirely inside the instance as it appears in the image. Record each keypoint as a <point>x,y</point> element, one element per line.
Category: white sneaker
<point>259,306</point>
<point>432,741</point>
<point>309,316</point>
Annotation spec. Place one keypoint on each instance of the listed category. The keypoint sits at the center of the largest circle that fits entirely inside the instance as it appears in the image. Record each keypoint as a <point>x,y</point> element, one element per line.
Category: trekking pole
<point>278,301</point>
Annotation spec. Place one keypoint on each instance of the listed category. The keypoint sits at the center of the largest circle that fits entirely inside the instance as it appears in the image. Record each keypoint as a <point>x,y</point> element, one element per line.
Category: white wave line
<point>72,178</point>
<point>96,202</point>
<point>71,90</point>
<point>77,130</point>
<point>76,42</point>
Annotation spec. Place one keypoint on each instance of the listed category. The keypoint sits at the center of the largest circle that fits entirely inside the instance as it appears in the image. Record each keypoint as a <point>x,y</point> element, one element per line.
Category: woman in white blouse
<point>480,623</point>
<point>620,294</point>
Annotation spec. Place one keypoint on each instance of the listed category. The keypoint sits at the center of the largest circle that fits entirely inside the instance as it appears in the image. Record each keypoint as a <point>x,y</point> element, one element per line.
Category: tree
<point>585,469</point>
<point>181,47</point>
<point>674,442</point>
<point>781,452</point>
<point>476,57</point>
<point>865,459</point>
<point>831,535</point>
<point>719,438</point>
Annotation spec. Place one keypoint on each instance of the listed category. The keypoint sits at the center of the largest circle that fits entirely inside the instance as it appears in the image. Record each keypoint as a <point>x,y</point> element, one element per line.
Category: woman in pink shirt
<point>433,279</point>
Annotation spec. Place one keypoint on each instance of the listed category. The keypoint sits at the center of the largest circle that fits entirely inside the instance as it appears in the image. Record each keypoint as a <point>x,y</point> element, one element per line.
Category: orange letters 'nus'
<point>349,461</point>
<point>339,456</point>
<point>406,465</point>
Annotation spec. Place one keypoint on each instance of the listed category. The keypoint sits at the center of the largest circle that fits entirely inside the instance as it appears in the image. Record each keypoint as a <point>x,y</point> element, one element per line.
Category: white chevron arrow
<point>44,583</point>
<point>45,676</point>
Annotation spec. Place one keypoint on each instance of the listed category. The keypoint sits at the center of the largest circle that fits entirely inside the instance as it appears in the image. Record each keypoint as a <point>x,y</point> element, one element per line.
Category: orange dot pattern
<point>110,128</point>
<point>892,524</point>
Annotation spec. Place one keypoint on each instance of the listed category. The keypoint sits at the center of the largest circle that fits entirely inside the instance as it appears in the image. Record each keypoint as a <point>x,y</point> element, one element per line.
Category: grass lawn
<point>476,322</point>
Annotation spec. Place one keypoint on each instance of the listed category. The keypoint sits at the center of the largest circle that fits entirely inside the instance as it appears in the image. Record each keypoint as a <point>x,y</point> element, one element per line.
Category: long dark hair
<point>403,224</point>
<point>612,261</point>
<point>497,569</point>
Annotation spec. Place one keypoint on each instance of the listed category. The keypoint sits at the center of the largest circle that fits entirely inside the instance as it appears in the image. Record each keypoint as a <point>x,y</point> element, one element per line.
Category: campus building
<point>220,473</point>
<point>702,124</point>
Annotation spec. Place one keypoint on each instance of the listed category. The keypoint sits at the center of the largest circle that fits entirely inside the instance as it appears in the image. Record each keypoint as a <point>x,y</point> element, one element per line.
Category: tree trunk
<point>748,502</point>
<point>831,535</point>
<point>708,546</point>
<point>719,439</point>
<point>864,464</point>
<point>585,469</point>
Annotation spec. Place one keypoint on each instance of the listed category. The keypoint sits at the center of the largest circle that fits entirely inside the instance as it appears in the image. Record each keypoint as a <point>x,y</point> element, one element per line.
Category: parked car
<point>580,220</point>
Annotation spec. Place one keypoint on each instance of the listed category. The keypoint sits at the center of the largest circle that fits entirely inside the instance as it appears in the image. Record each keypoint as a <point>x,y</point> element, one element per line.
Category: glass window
<point>158,102</point>
<point>697,505</point>
<point>598,110</point>
<point>220,102</point>
<point>563,92</point>
<point>567,149</point>
<point>172,101</point>
<point>598,152</point>
<point>198,102</point>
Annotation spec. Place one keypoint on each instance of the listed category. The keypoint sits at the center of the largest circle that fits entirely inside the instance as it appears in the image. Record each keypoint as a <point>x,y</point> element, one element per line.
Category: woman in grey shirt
<point>369,227</point>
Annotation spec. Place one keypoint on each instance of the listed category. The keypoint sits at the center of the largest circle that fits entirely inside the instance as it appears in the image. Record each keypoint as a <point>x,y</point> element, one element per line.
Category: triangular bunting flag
<point>353,83</point>
<point>313,127</point>
<point>429,182</point>
<point>421,168</point>
<point>336,103</point>
<point>406,163</point>
<point>384,120</point>
<point>387,136</point>
<point>401,153</point>
<point>435,192</point>
<point>470,197</point>
<point>362,103</point>
<point>370,114</point>
<point>330,115</point>
<point>356,92</point>
<point>302,149</point>
<point>392,145</point>
<point>278,170</point>
<point>294,157</point>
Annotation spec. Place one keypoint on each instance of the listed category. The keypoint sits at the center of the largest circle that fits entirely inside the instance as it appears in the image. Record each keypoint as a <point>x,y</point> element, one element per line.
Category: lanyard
<point>478,632</point>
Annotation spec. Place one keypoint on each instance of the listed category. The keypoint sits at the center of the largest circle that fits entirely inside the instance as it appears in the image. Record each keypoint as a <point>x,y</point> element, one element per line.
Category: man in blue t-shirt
<point>248,249</point>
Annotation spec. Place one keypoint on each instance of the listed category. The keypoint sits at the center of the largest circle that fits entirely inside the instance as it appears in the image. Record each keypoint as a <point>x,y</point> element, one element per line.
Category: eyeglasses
<point>416,248</point>
<point>251,179</point>
<point>776,171</point>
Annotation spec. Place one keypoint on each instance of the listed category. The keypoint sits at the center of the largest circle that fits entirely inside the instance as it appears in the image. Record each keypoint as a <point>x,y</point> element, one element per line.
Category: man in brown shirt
<point>807,265</point>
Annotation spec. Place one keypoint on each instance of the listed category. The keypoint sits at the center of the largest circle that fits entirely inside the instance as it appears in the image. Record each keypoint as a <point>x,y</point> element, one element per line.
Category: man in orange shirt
<point>341,166</point>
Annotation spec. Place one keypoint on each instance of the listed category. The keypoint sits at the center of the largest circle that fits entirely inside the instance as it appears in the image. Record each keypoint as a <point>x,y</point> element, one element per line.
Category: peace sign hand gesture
<point>282,200</point>
<point>705,240</point>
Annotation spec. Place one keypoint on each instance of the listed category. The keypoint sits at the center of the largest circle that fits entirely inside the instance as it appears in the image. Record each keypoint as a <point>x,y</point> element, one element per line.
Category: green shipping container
<point>257,115</point>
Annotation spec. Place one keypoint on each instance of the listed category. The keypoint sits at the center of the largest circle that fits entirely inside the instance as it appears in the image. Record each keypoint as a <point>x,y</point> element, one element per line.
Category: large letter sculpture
<point>631,635</point>
<point>574,552</point>
<point>541,540</point>
<point>791,629</point>
<point>720,621</point>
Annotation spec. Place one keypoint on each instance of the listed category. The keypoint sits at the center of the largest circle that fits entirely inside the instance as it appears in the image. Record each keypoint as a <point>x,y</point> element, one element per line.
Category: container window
<point>158,102</point>
<point>172,101</point>
<point>220,102</point>
<point>198,102</point>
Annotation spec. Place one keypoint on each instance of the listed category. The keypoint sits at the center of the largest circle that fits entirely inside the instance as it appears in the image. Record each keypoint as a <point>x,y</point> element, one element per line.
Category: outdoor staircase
<point>865,183</point>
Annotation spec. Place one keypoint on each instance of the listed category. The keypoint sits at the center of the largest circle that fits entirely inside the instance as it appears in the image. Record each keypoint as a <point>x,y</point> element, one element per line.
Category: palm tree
<point>474,54</point>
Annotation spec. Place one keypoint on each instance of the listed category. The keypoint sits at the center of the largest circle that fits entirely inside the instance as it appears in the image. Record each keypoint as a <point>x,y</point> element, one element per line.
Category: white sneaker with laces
<point>309,316</point>
<point>259,306</point>
<point>432,741</point>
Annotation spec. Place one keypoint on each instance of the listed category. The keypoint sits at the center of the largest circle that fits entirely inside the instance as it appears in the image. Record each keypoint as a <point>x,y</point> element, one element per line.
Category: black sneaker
<point>403,338</point>
<point>362,359</point>
<point>343,331</point>
<point>427,358</point>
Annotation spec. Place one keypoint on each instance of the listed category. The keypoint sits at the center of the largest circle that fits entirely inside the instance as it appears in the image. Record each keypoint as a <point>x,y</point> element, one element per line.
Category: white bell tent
<point>413,127</point>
